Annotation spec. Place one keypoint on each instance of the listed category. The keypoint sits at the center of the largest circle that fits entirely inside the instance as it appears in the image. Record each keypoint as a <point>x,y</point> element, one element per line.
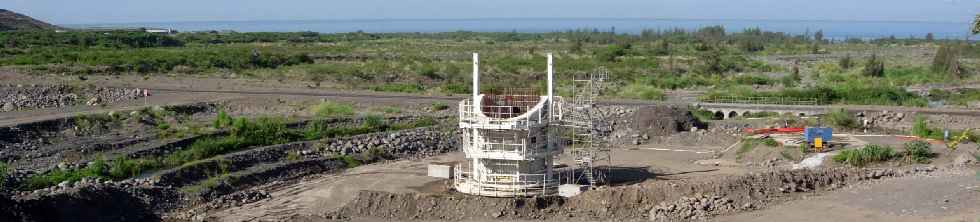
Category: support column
<point>551,89</point>
<point>476,78</point>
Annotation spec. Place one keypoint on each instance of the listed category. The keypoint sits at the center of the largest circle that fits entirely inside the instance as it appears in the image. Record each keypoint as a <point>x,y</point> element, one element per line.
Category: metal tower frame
<point>586,149</point>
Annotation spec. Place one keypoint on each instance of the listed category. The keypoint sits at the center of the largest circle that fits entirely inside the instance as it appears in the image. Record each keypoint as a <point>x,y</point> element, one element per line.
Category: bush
<point>921,128</point>
<point>770,142</point>
<point>4,171</point>
<point>846,62</point>
<point>374,123</point>
<point>439,106</point>
<point>866,155</point>
<point>332,109</point>
<point>612,52</point>
<point>947,61</point>
<point>399,87</point>
<point>349,161</point>
<point>917,151</point>
<point>874,67</point>
<point>223,120</point>
<point>841,118</point>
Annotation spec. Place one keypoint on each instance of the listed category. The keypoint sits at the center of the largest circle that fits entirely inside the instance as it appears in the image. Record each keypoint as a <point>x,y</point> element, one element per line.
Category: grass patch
<point>641,91</point>
<point>769,142</point>
<point>439,106</point>
<point>868,154</point>
<point>329,109</point>
<point>747,146</point>
<point>350,161</point>
<point>399,87</point>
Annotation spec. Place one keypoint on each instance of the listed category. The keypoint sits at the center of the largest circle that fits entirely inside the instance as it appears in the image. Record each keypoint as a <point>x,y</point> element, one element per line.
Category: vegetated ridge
<point>12,21</point>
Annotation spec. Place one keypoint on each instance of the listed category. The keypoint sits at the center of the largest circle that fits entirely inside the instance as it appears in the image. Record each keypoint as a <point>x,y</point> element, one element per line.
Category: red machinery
<point>752,131</point>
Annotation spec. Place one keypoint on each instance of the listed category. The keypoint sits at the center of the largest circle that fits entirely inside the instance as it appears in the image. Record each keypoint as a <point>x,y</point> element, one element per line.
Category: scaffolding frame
<point>579,120</point>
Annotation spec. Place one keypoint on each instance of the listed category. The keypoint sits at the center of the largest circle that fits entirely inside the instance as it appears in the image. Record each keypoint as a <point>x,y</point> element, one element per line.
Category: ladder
<point>580,120</point>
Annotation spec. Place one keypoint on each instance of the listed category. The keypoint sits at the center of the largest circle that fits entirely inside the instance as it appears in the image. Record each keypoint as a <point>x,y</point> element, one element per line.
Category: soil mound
<point>95,203</point>
<point>664,120</point>
<point>662,200</point>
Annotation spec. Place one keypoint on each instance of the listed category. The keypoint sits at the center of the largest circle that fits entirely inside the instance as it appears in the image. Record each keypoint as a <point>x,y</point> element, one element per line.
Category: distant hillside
<point>10,21</point>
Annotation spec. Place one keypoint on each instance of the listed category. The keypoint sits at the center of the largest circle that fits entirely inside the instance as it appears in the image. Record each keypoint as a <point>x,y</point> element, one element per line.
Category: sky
<point>129,11</point>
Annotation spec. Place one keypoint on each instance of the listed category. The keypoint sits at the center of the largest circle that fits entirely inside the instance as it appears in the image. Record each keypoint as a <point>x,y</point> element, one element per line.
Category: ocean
<point>831,29</point>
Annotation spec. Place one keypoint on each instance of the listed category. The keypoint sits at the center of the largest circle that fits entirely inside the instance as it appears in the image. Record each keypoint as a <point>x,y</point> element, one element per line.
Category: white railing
<point>504,151</point>
<point>504,185</point>
<point>472,116</point>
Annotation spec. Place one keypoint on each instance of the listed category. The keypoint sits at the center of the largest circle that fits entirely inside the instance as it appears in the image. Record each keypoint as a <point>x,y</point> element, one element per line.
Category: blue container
<point>824,133</point>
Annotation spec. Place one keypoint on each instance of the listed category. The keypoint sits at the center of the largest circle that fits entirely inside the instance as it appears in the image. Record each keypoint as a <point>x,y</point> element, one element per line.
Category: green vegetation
<point>223,120</point>
<point>439,106</point>
<point>764,114</point>
<point>701,114</point>
<point>747,145</point>
<point>329,109</point>
<point>921,129</point>
<point>350,161</point>
<point>847,62</point>
<point>842,119</point>
<point>640,91</point>
<point>874,67</point>
<point>917,151</point>
<point>4,171</point>
<point>868,154</point>
<point>642,66</point>
<point>947,61</point>
<point>769,142</point>
<point>976,25</point>
<point>243,133</point>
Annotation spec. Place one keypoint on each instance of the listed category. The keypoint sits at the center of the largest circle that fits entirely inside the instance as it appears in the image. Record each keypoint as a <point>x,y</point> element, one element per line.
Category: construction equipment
<point>818,137</point>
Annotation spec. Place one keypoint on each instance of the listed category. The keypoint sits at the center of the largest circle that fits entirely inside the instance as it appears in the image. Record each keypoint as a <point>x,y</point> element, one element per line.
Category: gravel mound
<point>20,97</point>
<point>110,201</point>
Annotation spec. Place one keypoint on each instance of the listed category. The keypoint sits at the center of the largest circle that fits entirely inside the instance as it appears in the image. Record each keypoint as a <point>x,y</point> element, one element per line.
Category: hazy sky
<point>122,11</point>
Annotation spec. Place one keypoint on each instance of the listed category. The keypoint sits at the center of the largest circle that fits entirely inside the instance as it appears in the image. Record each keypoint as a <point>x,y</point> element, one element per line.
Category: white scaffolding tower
<point>579,119</point>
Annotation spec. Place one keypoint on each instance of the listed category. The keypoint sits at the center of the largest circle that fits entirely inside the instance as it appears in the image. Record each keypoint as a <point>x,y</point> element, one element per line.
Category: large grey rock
<point>8,106</point>
<point>965,159</point>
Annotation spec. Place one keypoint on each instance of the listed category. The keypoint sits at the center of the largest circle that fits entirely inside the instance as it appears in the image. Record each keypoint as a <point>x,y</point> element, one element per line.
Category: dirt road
<point>952,196</point>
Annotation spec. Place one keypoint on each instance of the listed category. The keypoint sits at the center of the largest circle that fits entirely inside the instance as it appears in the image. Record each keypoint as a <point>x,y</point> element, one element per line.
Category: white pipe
<point>476,78</point>
<point>551,89</point>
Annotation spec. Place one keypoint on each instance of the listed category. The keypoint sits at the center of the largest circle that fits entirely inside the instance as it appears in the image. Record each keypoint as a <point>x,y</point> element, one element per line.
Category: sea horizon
<point>835,29</point>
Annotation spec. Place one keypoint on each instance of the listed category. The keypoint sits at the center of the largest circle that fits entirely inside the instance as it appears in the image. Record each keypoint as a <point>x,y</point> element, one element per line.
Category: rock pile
<point>880,118</point>
<point>414,143</point>
<point>20,97</point>
<point>694,208</point>
<point>238,199</point>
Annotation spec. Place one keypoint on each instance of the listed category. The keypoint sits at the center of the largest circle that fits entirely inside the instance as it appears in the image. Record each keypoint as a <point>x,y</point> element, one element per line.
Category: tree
<point>976,25</point>
<point>946,61</point>
<point>818,36</point>
<point>846,62</point>
<point>577,45</point>
<point>875,67</point>
<point>612,52</point>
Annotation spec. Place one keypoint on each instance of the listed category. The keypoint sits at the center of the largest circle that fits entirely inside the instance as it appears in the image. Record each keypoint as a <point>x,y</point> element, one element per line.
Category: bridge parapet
<point>760,100</point>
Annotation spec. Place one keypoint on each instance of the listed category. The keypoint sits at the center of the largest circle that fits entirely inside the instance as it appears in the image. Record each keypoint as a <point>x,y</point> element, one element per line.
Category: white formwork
<point>510,149</point>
